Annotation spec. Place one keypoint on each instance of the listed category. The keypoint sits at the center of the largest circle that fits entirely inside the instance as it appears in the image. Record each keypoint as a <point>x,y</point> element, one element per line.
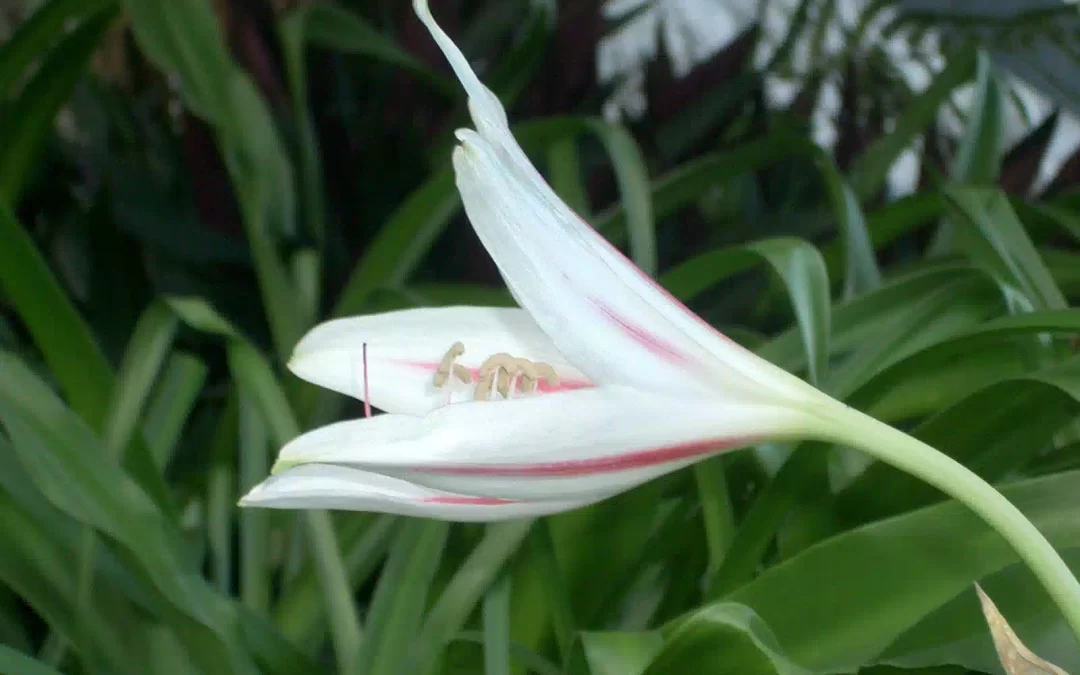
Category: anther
<point>462,373</point>
<point>502,371</point>
<point>442,375</point>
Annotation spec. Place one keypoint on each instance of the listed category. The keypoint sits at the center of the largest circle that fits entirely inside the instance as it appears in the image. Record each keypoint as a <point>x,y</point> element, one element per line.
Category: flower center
<point>500,372</point>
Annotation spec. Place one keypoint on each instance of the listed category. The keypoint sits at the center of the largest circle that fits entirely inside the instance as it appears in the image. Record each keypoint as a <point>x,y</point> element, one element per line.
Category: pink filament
<point>367,398</point>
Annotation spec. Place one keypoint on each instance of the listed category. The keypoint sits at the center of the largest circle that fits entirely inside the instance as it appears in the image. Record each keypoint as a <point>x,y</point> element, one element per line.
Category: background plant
<point>189,186</point>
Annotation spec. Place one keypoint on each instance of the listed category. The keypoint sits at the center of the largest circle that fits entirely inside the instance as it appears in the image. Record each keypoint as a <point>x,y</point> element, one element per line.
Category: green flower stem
<point>851,427</point>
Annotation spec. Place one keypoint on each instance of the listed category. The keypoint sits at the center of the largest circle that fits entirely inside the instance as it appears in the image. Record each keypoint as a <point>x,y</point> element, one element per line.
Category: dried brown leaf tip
<point>1015,657</point>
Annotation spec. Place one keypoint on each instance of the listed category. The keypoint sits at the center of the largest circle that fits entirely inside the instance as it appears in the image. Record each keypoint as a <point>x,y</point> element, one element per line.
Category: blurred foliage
<point>187,186</point>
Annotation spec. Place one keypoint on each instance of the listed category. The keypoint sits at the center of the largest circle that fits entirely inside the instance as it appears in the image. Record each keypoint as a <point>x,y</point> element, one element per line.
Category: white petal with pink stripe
<point>574,445</point>
<point>317,486</point>
<point>599,309</point>
<point>404,349</point>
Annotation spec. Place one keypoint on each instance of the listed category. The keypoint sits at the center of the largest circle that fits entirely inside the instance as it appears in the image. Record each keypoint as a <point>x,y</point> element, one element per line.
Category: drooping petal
<point>573,445</point>
<point>603,314</point>
<point>320,486</point>
<point>405,348</point>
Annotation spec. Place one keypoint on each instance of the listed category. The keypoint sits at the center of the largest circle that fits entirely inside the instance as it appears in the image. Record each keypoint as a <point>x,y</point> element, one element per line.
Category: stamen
<point>462,373</point>
<point>502,373</point>
<point>367,397</point>
<point>442,375</point>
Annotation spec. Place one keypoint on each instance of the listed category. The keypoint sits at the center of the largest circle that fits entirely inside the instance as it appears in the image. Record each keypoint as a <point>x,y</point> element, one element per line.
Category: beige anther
<point>442,375</point>
<point>462,373</point>
<point>502,371</point>
<point>504,383</point>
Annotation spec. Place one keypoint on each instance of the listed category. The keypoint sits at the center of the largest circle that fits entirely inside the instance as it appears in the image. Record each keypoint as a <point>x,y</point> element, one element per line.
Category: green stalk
<point>851,427</point>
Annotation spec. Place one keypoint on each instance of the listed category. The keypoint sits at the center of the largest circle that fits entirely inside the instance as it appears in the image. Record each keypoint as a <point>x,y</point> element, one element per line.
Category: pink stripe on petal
<point>642,336</point>
<point>583,467</point>
<point>478,501</point>
<point>655,284</point>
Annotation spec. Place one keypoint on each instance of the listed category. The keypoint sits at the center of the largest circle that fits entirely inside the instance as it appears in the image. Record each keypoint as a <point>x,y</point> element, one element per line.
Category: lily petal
<point>601,312</point>
<point>319,486</point>
<point>405,348</point>
<point>573,445</point>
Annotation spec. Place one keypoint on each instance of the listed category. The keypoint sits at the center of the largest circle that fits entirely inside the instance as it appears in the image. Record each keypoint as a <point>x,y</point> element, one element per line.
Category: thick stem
<point>912,456</point>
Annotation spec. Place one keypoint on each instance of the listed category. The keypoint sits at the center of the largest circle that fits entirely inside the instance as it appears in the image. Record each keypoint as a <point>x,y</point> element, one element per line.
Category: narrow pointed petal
<point>574,445</point>
<point>405,348</point>
<point>602,313</point>
<point>319,486</point>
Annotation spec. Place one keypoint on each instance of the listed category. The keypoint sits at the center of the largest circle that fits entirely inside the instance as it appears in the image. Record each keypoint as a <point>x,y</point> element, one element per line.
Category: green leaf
<point>172,401</point>
<point>39,562</point>
<point>861,269</point>
<point>716,509</point>
<point>722,638</point>
<point>564,168</point>
<point>863,318</point>
<point>461,595</point>
<point>58,330</point>
<point>69,348</point>
<point>146,353</point>
<point>14,663</point>
<point>992,235</point>
<point>530,660</point>
<point>940,314</point>
<point>29,118</point>
<point>800,478</point>
<point>254,465</point>
<point>692,180</point>
<point>618,653</point>
<point>37,34</point>
<point>550,584</point>
<point>989,335</point>
<point>888,224</point>
<point>397,606</point>
<point>364,544</point>
<point>497,628</point>
<point>798,264</point>
<point>978,159</point>
<point>928,557</point>
<point>620,529</point>
<point>69,467</point>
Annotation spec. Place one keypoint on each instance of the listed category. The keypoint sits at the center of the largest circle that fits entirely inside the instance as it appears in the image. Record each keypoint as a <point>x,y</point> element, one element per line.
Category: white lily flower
<point>601,382</point>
